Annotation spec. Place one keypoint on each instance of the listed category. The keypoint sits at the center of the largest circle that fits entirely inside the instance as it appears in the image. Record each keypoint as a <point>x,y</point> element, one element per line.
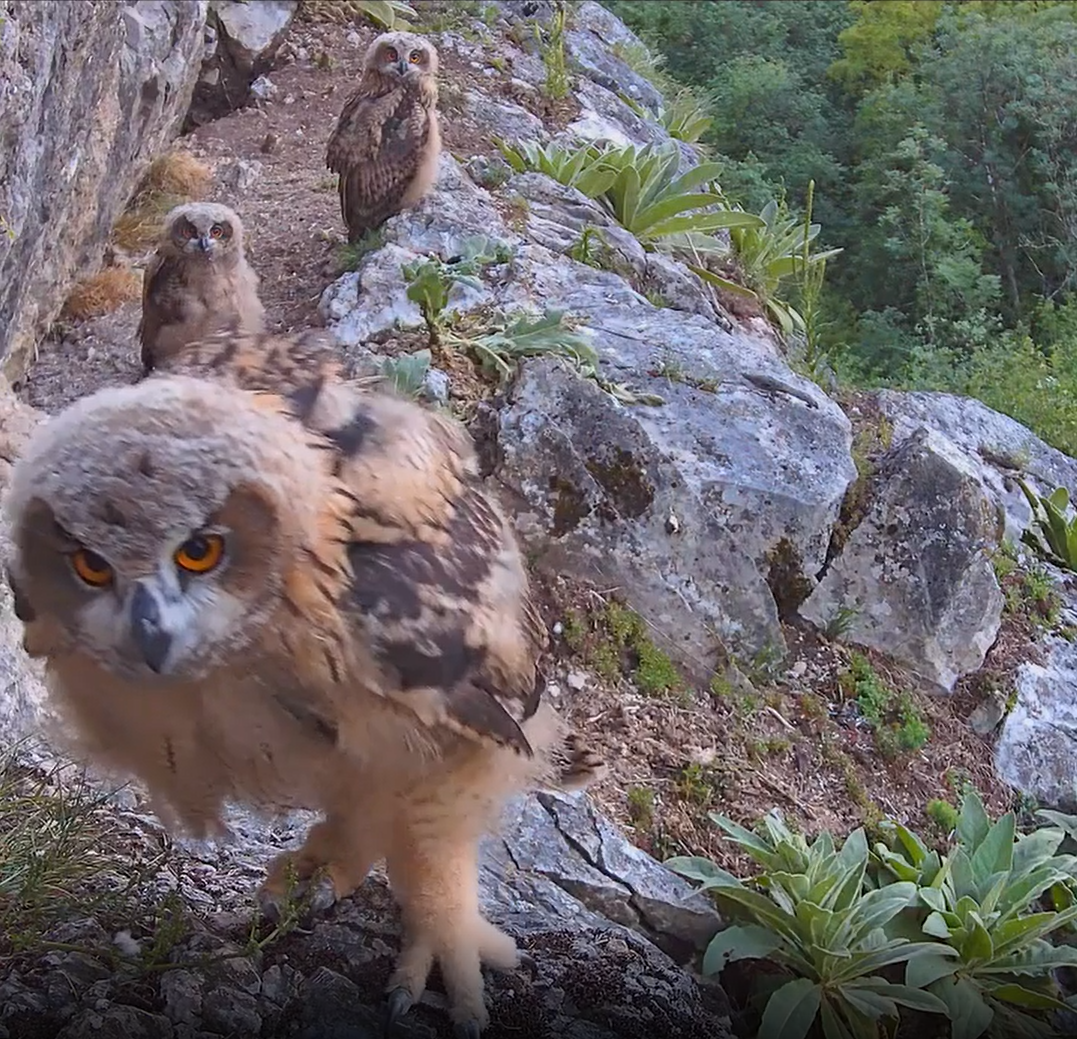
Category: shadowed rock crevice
<point>242,40</point>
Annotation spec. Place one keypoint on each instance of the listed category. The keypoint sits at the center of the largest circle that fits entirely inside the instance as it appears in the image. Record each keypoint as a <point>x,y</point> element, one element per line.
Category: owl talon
<point>467,1030</point>
<point>398,1003</point>
<point>528,963</point>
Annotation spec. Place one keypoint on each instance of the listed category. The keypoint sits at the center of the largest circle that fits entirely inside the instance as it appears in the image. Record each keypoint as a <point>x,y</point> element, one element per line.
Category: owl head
<point>204,230</point>
<point>402,55</point>
<point>153,525</point>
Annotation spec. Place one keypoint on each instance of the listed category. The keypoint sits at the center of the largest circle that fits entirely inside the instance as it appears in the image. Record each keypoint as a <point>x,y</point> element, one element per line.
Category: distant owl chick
<point>386,143</point>
<point>296,594</point>
<point>199,280</point>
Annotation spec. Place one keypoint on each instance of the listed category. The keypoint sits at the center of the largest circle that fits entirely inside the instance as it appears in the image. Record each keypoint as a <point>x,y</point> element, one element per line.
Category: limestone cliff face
<point>89,93</point>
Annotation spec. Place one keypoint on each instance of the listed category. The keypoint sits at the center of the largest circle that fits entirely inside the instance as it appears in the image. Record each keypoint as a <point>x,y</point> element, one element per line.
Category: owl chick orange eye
<point>216,231</point>
<point>91,568</point>
<point>391,54</point>
<point>189,232</point>
<point>200,554</point>
<point>415,57</point>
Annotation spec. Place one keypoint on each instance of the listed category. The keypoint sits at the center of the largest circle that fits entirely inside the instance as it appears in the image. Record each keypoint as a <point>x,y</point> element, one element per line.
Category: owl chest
<point>277,750</point>
<point>285,748</point>
<point>404,128</point>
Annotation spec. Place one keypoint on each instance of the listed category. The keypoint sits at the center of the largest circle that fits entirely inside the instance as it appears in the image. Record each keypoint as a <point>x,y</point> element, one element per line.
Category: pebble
<point>263,89</point>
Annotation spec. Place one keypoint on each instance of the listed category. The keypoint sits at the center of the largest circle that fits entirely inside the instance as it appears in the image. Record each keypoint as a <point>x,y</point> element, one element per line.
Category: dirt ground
<point>792,739</point>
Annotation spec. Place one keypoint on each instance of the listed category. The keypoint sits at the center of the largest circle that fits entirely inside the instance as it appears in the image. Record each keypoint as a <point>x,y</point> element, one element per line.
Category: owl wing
<point>434,591</point>
<point>162,303</point>
<point>376,149</point>
<point>296,368</point>
<point>448,624</point>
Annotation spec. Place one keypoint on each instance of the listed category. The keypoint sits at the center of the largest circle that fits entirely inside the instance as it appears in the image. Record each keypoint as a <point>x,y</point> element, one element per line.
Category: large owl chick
<point>198,281</point>
<point>296,597</point>
<point>386,142</point>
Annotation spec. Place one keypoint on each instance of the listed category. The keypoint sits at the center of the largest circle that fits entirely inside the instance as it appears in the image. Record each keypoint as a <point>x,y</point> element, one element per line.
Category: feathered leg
<point>434,876</point>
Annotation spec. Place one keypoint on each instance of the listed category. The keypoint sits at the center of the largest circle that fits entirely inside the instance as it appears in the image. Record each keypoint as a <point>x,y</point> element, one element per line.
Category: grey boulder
<point>1036,751</point>
<point>916,572</point>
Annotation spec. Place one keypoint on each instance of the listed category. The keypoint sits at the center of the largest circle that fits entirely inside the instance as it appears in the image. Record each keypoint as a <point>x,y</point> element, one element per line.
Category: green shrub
<point>963,926</point>
<point>1050,534</point>
<point>639,185</point>
<point>816,921</point>
<point>976,902</point>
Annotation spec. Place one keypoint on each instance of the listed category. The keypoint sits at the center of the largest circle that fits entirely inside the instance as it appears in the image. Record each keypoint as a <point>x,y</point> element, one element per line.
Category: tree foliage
<point>941,136</point>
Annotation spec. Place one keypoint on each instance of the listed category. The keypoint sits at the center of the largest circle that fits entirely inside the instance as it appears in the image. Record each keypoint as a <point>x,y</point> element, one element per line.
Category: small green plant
<point>840,622</point>
<point>685,117</point>
<point>407,373</point>
<point>1050,534</point>
<point>494,175</point>
<point>641,806</point>
<point>811,917</point>
<point>616,642</point>
<point>430,280</point>
<point>350,256</point>
<point>54,842</point>
<point>695,784</point>
<point>894,717</point>
<point>767,252</point>
<point>589,247</point>
<point>499,348</point>
<point>1004,559</point>
<point>768,747</point>
<point>496,341</point>
<point>552,45</point>
<point>943,814</point>
<point>429,283</point>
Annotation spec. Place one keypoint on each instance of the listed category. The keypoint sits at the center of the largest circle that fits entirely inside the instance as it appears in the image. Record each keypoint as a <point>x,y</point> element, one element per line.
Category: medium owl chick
<point>299,598</point>
<point>386,143</point>
<point>197,281</point>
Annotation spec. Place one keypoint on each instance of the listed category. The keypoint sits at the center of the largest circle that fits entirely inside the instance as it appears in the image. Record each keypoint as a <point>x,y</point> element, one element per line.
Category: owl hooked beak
<point>205,243</point>
<point>149,629</point>
<point>402,67</point>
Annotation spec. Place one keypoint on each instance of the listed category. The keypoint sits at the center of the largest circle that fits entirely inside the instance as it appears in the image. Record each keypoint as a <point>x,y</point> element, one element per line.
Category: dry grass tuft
<point>171,180</point>
<point>102,293</point>
<point>177,173</point>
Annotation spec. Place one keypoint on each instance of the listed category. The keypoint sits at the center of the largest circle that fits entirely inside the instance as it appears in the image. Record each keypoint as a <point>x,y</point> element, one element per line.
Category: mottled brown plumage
<point>386,142</point>
<point>366,645</point>
<point>198,281</point>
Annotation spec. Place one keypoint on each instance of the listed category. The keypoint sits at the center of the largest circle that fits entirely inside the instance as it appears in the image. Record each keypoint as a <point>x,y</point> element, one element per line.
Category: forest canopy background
<point>942,141</point>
